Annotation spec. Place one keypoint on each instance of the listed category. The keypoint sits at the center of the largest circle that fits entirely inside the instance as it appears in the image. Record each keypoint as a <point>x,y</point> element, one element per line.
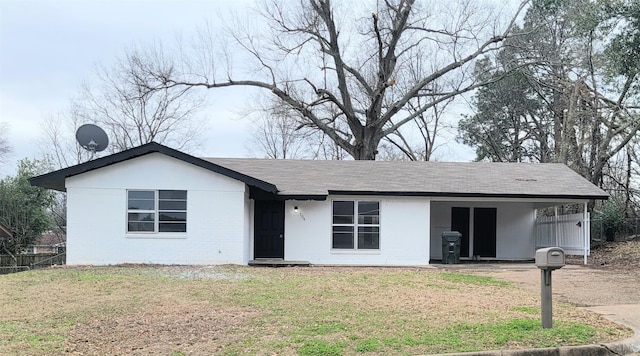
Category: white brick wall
<point>404,233</point>
<point>96,215</point>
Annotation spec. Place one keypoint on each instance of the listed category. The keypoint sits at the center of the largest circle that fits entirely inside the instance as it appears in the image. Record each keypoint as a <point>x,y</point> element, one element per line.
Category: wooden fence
<point>30,261</point>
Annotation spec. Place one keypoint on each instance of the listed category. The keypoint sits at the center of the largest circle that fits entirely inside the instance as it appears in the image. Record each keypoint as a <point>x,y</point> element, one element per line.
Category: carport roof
<point>316,179</point>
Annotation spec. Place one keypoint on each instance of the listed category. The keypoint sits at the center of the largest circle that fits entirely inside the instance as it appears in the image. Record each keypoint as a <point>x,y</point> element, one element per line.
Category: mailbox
<point>550,258</point>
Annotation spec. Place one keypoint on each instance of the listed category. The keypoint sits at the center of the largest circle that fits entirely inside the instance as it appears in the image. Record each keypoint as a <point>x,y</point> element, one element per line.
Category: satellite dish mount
<point>92,138</point>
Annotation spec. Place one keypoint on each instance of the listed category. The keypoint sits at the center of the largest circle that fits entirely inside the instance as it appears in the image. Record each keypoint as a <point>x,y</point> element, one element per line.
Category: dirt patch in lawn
<point>160,330</point>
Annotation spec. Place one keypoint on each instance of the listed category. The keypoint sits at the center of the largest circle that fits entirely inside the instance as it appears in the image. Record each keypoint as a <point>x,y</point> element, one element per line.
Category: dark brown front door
<point>484,232</point>
<point>268,229</point>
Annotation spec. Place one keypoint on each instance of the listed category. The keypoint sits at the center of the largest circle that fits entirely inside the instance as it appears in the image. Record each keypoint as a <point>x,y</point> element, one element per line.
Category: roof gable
<point>56,179</point>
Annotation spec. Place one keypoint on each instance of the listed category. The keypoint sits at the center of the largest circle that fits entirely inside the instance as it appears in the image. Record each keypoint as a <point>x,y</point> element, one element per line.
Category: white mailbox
<point>550,258</point>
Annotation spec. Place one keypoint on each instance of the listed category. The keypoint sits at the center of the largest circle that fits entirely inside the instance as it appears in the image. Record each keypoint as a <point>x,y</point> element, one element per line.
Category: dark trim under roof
<point>55,180</point>
<point>467,195</point>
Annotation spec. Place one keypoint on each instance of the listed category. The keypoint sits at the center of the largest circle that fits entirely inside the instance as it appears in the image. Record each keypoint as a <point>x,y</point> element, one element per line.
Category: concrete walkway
<point>625,314</point>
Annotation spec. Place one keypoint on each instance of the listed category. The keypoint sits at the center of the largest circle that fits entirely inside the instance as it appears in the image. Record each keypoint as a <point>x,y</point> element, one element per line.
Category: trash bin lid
<point>451,233</point>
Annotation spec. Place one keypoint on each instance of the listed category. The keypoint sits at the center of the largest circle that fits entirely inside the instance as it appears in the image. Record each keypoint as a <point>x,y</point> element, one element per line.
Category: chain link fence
<point>627,229</point>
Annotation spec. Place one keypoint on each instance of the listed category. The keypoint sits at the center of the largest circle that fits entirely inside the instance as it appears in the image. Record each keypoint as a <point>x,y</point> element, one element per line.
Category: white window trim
<point>156,226</point>
<point>156,235</point>
<point>355,249</point>
<point>347,251</point>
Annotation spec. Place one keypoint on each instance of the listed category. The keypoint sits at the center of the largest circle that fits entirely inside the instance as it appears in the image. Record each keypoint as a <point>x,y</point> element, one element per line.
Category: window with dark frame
<point>157,211</point>
<point>356,225</point>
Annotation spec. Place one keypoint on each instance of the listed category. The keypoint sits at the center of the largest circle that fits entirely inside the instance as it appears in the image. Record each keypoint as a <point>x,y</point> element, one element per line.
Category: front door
<point>484,232</point>
<point>268,241</point>
<point>460,223</point>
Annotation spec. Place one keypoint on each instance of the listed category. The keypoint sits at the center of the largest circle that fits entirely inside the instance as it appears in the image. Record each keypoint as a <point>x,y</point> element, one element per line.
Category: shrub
<point>612,215</point>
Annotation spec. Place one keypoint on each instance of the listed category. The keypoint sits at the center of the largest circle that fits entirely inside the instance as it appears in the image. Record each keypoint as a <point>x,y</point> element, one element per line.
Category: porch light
<point>297,211</point>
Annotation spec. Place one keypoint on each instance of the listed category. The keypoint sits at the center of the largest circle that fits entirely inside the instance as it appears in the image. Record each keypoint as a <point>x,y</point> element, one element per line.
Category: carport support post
<point>545,283</point>
<point>586,230</point>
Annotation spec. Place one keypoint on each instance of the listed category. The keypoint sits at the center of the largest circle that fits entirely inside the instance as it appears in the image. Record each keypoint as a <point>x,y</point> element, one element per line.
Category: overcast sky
<point>49,47</point>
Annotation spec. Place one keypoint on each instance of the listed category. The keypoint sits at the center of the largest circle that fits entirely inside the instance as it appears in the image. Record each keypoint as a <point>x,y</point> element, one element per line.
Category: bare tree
<point>57,139</point>
<point>132,115</point>
<point>322,147</point>
<point>276,133</point>
<point>280,133</point>
<point>276,137</point>
<point>337,67</point>
<point>5,148</point>
<point>129,113</point>
<point>426,127</point>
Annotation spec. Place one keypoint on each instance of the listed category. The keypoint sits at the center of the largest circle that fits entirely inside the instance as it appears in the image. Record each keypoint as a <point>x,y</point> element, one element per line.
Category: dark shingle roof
<point>317,179</point>
<point>306,177</point>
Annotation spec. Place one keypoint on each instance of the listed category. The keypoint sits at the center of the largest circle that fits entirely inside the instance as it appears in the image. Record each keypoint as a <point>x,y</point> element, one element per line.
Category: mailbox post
<point>548,259</point>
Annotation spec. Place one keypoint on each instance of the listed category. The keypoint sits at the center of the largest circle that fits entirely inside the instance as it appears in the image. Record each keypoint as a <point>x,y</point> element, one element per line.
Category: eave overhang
<point>56,179</point>
<point>471,195</point>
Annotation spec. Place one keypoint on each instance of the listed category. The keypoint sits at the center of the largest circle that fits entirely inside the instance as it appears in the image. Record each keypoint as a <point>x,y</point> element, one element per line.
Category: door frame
<point>490,244</point>
<point>464,227</point>
<point>260,207</point>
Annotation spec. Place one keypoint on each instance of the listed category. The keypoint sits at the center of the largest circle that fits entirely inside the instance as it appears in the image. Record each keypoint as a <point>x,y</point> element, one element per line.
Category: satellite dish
<point>92,138</point>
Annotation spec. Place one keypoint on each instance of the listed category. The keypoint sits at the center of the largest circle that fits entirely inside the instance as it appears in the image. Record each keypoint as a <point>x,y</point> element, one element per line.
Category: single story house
<point>48,242</point>
<point>154,204</point>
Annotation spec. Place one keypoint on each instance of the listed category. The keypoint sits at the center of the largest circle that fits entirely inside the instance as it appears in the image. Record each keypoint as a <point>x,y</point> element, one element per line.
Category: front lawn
<point>308,311</point>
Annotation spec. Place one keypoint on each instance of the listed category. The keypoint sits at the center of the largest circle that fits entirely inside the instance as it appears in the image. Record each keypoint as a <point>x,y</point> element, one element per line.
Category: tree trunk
<point>366,146</point>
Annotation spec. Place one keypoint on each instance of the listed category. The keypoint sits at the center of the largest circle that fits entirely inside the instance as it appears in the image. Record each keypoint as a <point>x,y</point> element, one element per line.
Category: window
<point>356,225</point>
<point>157,211</point>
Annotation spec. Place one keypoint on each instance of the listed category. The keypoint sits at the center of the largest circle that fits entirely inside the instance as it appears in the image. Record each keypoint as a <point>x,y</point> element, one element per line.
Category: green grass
<point>325,328</point>
<point>369,344</point>
<point>472,279</point>
<point>321,348</point>
<point>465,337</point>
<point>47,336</point>
<point>311,311</point>
<point>528,310</point>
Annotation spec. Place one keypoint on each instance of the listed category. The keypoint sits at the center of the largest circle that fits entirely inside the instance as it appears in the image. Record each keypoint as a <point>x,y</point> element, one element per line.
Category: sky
<point>48,48</point>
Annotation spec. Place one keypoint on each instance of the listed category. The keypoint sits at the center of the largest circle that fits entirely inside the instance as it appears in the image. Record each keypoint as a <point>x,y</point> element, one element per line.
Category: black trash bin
<point>451,247</point>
